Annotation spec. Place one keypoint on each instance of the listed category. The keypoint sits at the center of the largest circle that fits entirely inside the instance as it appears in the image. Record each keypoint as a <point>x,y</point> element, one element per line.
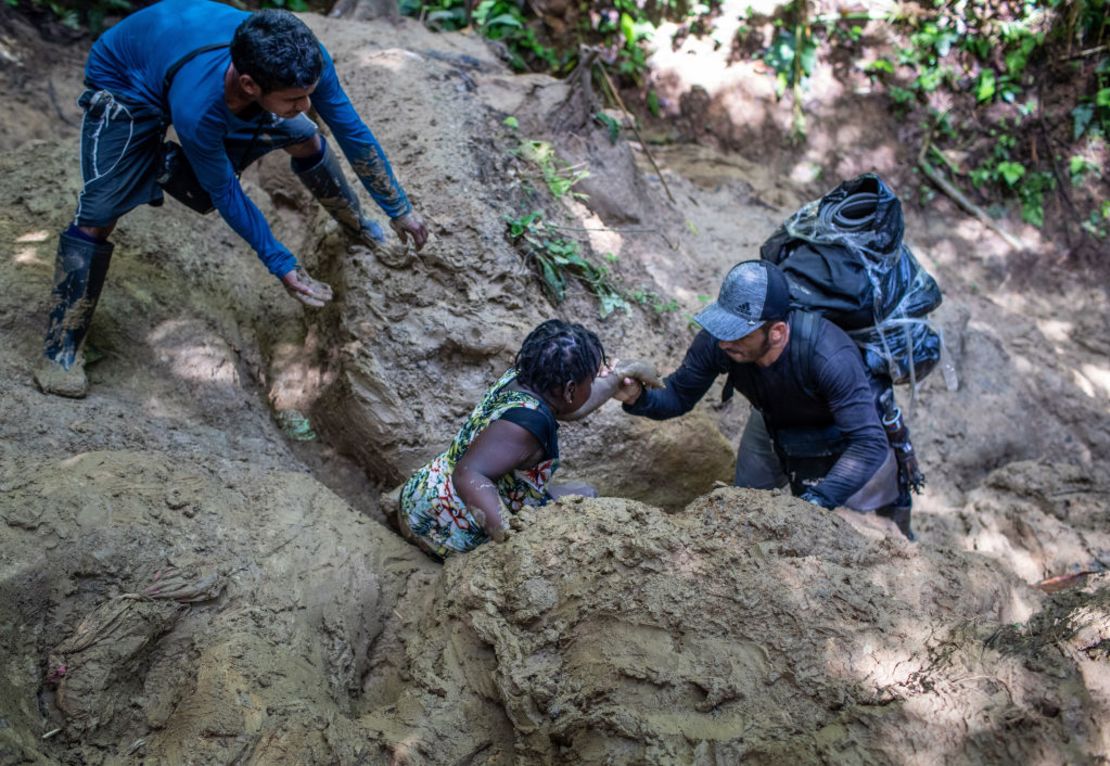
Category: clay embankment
<point>177,586</point>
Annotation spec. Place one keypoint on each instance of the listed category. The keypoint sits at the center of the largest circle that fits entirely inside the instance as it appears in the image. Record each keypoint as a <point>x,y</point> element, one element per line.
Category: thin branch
<point>960,198</point>
<point>1088,52</point>
<point>636,130</point>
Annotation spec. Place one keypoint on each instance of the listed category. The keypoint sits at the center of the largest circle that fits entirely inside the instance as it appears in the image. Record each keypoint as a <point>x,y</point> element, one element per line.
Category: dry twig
<point>960,198</point>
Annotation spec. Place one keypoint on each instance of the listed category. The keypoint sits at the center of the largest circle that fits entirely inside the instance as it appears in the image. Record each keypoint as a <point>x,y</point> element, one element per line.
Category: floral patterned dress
<point>431,506</point>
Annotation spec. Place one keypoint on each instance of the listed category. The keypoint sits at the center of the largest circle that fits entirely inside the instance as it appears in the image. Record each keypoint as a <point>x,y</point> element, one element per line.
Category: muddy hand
<point>640,370</point>
<point>309,291</point>
<point>410,225</point>
<point>493,527</point>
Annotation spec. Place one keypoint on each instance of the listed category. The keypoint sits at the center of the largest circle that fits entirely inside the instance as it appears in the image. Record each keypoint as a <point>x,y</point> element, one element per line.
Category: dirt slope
<point>178,584</point>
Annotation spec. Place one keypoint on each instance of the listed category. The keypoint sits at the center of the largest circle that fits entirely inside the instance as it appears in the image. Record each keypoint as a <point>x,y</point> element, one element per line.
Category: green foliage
<point>880,67</point>
<point>621,27</point>
<point>1031,191</point>
<point>1010,172</point>
<point>501,20</point>
<point>559,260</point>
<point>1092,115</point>
<point>1001,173</point>
<point>1098,222</point>
<point>987,87</point>
<point>559,176</point>
<point>297,6</point>
<point>1079,166</point>
<point>76,14</point>
<point>789,56</point>
<point>612,126</point>
<point>652,300</point>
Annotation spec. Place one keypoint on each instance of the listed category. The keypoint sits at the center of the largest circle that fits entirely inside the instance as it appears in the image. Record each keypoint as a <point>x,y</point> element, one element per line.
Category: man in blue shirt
<point>235,86</point>
<point>814,422</point>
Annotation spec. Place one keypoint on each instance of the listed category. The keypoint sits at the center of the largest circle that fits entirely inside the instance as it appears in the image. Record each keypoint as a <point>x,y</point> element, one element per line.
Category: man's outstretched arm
<point>366,155</point>
<point>683,388</point>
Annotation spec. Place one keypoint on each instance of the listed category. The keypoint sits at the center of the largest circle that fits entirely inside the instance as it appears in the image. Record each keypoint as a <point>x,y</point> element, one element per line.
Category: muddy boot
<point>79,272</point>
<point>900,512</point>
<point>327,183</point>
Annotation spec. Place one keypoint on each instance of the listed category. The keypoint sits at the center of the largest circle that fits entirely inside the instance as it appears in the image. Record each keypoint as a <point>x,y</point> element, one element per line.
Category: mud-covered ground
<point>180,582</point>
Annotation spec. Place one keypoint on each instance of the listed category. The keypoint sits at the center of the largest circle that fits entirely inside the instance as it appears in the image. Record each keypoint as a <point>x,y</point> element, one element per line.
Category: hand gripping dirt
<point>410,226</point>
<point>309,291</point>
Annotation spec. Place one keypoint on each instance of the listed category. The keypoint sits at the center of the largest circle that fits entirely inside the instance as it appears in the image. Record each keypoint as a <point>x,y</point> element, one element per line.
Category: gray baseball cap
<point>753,292</point>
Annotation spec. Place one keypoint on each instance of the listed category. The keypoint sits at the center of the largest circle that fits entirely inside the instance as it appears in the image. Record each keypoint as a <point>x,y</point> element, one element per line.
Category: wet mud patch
<point>745,627</point>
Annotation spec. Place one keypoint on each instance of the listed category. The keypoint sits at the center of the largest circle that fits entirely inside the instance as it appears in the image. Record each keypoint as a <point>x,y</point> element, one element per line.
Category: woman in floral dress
<point>507,450</point>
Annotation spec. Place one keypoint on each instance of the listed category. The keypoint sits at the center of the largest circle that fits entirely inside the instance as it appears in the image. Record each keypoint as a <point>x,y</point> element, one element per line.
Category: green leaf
<point>1081,118</point>
<point>984,90</point>
<point>610,302</point>
<point>504,20</point>
<point>980,176</point>
<point>554,282</point>
<point>1102,98</point>
<point>1032,210</point>
<point>1011,172</point>
<point>628,29</point>
<point>929,80</point>
<point>511,122</point>
<point>610,124</point>
<point>883,66</point>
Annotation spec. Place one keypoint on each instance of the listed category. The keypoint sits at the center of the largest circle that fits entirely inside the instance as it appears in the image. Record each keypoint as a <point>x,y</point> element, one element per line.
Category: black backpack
<point>844,259</point>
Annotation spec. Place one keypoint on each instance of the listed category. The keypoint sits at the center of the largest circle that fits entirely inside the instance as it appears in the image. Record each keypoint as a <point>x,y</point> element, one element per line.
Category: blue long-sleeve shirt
<point>131,60</point>
<point>838,394</point>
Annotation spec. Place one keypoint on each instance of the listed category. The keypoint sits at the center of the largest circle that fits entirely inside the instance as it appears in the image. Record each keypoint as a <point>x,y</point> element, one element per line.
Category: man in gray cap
<point>814,422</point>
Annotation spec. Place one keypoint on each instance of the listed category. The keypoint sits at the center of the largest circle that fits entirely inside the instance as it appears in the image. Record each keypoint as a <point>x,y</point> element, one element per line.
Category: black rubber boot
<point>79,272</point>
<point>327,183</point>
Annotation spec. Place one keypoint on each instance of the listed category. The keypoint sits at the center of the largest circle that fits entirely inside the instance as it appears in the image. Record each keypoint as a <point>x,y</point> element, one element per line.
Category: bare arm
<point>611,380</point>
<point>498,450</point>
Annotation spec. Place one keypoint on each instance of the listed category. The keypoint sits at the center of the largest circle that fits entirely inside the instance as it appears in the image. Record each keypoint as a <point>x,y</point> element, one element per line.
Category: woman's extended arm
<point>607,383</point>
<point>498,450</point>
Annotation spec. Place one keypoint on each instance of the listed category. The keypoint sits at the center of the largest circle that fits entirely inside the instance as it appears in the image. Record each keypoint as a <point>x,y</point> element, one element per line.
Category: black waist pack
<point>808,454</point>
<point>176,177</point>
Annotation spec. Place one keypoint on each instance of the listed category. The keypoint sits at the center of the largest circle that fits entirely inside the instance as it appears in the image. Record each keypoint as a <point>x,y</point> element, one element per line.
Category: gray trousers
<point>758,467</point>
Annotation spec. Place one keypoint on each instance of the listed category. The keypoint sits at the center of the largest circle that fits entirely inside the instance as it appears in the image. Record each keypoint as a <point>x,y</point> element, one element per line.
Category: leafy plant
<point>77,13</point>
<point>652,300</point>
<point>559,176</point>
<point>1079,166</point>
<point>1011,177</point>
<point>792,57</point>
<point>297,6</point>
<point>558,260</point>
<point>612,126</point>
<point>1098,222</point>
